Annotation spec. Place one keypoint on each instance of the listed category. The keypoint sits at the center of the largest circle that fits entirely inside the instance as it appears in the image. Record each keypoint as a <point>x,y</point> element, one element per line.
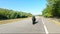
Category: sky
<point>34,7</point>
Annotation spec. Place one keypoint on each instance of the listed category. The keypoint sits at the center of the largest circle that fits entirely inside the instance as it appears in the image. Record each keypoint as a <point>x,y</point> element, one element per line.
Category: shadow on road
<point>34,23</point>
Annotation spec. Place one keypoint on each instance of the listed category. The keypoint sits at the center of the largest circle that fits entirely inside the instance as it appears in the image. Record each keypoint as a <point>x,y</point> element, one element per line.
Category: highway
<point>43,26</point>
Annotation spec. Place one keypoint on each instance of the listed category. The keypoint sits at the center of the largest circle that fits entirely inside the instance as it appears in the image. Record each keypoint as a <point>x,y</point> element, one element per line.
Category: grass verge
<point>54,21</point>
<point>12,20</point>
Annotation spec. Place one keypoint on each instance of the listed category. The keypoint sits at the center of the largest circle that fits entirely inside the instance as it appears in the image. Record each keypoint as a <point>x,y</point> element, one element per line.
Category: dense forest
<point>11,14</point>
<point>52,9</point>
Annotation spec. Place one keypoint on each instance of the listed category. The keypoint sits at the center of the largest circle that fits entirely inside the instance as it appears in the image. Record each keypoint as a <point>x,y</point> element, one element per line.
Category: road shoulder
<point>54,21</point>
<point>12,20</point>
<point>51,27</point>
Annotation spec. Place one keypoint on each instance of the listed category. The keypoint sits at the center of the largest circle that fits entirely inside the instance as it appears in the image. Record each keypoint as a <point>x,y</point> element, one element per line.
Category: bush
<point>11,14</point>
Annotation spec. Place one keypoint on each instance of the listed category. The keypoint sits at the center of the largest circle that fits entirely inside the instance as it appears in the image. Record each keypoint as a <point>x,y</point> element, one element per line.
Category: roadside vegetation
<point>11,14</point>
<point>52,9</point>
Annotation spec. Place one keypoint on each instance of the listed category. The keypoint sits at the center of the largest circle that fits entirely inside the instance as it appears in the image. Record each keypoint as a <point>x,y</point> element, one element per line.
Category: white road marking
<point>45,27</point>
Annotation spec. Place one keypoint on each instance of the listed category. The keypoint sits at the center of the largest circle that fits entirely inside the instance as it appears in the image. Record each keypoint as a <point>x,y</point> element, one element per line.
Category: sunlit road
<point>25,26</point>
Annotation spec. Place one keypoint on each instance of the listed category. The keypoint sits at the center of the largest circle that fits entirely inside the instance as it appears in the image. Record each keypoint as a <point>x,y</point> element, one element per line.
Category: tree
<point>11,14</point>
<point>52,8</point>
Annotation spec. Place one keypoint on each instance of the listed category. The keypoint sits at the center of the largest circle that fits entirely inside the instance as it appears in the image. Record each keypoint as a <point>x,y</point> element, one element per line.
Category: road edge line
<point>45,27</point>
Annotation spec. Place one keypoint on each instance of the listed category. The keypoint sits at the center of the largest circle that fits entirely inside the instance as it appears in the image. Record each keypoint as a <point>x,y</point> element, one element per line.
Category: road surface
<point>43,26</point>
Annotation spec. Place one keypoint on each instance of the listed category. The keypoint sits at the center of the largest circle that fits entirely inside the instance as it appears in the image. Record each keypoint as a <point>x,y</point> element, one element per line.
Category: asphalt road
<point>43,26</point>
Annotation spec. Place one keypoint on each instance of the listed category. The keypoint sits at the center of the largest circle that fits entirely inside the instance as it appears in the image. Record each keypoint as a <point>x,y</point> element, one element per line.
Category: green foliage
<point>11,14</point>
<point>52,9</point>
<point>47,12</point>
